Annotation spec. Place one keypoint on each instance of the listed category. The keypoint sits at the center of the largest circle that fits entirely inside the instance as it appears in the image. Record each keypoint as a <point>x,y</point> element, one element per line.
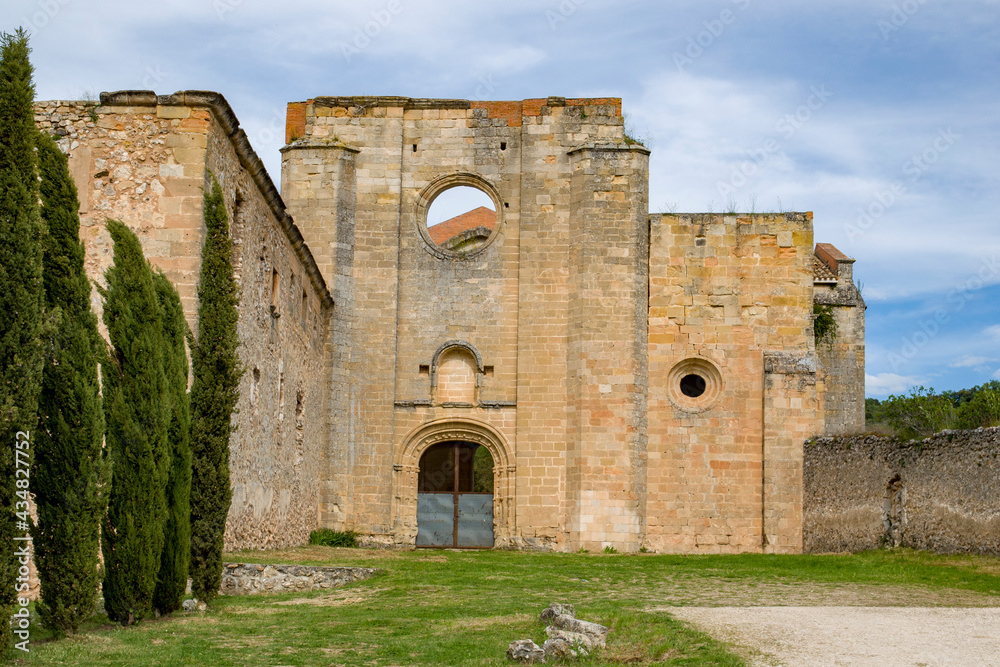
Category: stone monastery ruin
<point>558,370</point>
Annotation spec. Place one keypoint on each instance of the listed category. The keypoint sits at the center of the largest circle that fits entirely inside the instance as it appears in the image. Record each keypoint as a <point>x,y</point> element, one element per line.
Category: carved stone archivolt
<point>406,470</point>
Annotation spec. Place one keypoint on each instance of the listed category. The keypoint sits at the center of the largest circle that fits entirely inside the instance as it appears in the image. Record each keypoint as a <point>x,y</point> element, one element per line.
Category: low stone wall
<point>251,578</point>
<point>941,494</point>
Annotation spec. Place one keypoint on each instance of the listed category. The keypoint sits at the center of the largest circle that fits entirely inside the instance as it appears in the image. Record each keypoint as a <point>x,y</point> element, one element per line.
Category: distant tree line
<point>111,429</point>
<point>922,412</point>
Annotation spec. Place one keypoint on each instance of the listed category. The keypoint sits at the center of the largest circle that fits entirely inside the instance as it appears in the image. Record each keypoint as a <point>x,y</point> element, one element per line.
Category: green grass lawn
<point>464,607</point>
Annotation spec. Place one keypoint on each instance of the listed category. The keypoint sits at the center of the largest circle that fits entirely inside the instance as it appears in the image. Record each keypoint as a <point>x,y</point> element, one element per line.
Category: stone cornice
<point>619,146</point>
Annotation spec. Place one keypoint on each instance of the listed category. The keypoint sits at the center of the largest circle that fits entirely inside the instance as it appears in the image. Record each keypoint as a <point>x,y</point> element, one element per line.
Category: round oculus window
<point>461,219</point>
<point>459,215</point>
<point>694,384</point>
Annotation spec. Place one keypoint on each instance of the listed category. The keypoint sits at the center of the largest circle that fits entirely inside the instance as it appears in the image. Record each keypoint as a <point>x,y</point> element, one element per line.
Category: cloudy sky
<point>882,117</point>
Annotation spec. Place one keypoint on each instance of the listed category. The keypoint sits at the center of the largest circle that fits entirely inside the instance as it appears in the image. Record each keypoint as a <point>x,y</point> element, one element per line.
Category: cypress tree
<point>136,405</point>
<point>214,393</point>
<point>21,299</point>
<point>173,576</point>
<point>70,469</point>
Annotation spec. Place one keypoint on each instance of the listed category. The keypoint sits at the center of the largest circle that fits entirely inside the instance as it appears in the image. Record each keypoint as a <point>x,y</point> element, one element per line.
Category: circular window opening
<point>461,219</point>
<point>693,385</point>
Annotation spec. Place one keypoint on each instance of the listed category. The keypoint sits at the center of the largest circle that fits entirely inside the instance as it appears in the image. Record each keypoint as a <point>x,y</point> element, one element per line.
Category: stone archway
<point>406,471</point>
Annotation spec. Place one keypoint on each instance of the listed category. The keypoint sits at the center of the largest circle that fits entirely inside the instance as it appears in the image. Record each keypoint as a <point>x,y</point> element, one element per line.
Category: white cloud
<point>971,362</point>
<point>704,128</point>
<point>993,332</point>
<point>509,58</point>
<point>884,384</point>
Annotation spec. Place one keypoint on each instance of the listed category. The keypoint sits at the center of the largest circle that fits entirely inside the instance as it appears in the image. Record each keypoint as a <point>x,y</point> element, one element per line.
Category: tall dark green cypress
<point>21,299</point>
<point>172,580</point>
<point>214,393</point>
<point>70,469</point>
<point>136,407</point>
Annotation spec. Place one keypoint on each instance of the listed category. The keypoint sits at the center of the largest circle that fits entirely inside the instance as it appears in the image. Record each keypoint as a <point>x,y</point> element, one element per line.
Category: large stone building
<point>555,369</point>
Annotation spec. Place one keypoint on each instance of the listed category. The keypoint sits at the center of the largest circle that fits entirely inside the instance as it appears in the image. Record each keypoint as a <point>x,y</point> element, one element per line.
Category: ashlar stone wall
<point>578,319</point>
<point>551,370</point>
<point>730,302</point>
<point>145,159</point>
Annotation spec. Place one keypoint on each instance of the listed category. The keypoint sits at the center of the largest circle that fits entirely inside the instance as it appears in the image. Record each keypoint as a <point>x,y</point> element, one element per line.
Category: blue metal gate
<point>454,507</point>
<point>439,525</point>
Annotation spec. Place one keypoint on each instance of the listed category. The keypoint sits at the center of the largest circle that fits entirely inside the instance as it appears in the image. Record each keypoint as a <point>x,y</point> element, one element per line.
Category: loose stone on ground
<point>555,609</point>
<point>568,637</point>
<point>525,650</point>
<point>193,605</point>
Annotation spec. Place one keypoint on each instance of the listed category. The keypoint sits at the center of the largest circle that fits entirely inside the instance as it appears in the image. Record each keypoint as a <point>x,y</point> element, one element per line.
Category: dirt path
<point>882,636</point>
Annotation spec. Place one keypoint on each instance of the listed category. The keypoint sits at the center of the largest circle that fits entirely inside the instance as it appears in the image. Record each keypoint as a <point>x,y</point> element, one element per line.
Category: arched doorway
<point>455,496</point>
<point>406,474</point>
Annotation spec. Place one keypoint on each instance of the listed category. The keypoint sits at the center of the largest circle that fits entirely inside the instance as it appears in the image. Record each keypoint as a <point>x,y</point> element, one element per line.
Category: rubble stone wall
<point>277,449</point>
<point>940,494</point>
<point>146,160</point>
<point>252,578</point>
<point>143,165</point>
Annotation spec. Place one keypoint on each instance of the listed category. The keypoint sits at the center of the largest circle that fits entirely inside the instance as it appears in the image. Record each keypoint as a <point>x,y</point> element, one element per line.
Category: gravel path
<point>882,636</point>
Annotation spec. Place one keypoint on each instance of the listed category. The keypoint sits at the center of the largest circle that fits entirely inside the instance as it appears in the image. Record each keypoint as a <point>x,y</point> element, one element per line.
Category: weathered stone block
<point>171,112</point>
<point>525,650</point>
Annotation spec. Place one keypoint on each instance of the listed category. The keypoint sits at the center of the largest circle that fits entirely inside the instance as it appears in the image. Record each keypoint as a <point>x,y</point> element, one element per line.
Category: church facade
<point>555,369</point>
